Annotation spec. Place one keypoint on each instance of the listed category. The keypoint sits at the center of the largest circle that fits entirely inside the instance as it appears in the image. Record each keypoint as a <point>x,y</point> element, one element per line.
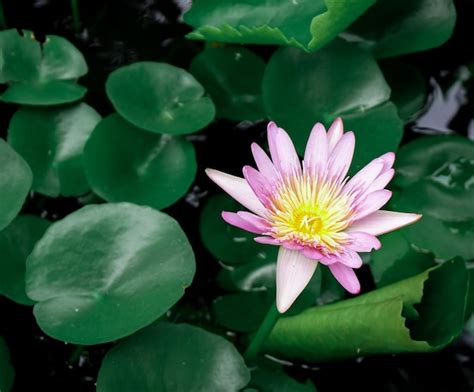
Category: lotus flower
<point>312,210</point>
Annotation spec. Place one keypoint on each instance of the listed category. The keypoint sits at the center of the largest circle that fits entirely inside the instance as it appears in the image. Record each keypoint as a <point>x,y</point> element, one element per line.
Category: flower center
<point>310,212</point>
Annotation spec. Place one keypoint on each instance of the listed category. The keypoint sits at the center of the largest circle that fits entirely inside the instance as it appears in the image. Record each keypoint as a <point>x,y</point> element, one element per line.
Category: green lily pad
<point>422,157</point>
<point>15,183</point>
<point>107,270</point>
<point>444,239</point>
<point>228,243</point>
<point>233,78</point>
<point>40,74</point>
<point>228,309</point>
<point>376,323</point>
<point>159,169</point>
<point>253,276</point>
<point>160,98</point>
<point>409,88</point>
<point>446,195</point>
<point>7,373</point>
<point>377,131</point>
<point>16,243</point>
<point>44,94</point>
<point>268,376</point>
<point>169,357</point>
<point>52,142</point>
<point>367,112</point>
<point>391,28</point>
<point>397,260</point>
<point>255,22</point>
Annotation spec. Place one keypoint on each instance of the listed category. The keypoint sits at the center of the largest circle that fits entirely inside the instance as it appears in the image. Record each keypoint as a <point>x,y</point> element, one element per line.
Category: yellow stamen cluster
<point>311,212</point>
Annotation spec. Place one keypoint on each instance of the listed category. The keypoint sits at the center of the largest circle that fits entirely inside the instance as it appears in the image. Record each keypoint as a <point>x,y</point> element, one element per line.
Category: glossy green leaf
<point>444,239</point>
<point>254,22</point>
<point>409,87</point>
<point>105,271</point>
<point>228,243</point>
<point>44,94</point>
<point>339,15</point>
<point>413,315</point>
<point>52,142</point>
<point>228,309</point>
<point>15,183</point>
<point>7,373</point>
<point>253,276</point>
<point>397,260</point>
<point>157,171</point>
<point>268,376</point>
<point>391,28</point>
<point>233,78</point>
<point>160,98</point>
<point>377,131</point>
<point>169,357</point>
<point>447,194</point>
<point>424,156</point>
<point>320,87</point>
<point>16,243</point>
<point>40,74</point>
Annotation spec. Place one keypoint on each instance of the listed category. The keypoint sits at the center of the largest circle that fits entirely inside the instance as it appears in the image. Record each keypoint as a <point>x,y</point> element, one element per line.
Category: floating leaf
<point>445,239</point>
<point>160,98</point>
<point>227,243</point>
<point>52,141</point>
<point>253,22</point>
<point>397,260</point>
<point>447,195</point>
<point>158,169</point>
<point>229,308</point>
<point>166,357</point>
<point>269,377</point>
<point>16,243</point>
<point>105,271</point>
<point>375,323</point>
<point>15,183</point>
<point>424,156</point>
<point>391,28</point>
<point>233,78</point>
<point>409,88</point>
<point>7,373</point>
<point>333,84</point>
<point>40,75</point>
<point>44,94</point>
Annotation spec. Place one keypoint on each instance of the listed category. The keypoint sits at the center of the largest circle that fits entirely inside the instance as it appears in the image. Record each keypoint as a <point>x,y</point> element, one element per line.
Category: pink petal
<point>341,156</point>
<point>372,202</point>
<point>239,189</point>
<point>388,159</point>
<point>264,163</point>
<point>283,151</point>
<point>261,186</point>
<point>346,277</point>
<point>335,133</point>
<point>312,253</point>
<point>291,245</point>
<point>351,259</point>
<point>316,154</point>
<point>267,241</point>
<point>363,242</point>
<point>235,220</point>
<point>364,178</point>
<point>381,222</point>
<point>294,271</point>
<point>381,181</point>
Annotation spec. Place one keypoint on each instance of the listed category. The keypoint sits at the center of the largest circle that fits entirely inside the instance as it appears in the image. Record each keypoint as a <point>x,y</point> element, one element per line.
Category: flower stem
<point>262,333</point>
<point>76,19</point>
<point>3,21</point>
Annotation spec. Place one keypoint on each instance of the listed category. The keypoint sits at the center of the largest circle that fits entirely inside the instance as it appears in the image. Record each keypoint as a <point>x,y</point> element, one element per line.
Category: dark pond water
<point>119,32</point>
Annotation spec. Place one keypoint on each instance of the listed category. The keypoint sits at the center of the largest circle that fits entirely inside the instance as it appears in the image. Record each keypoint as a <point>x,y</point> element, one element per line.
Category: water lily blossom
<point>311,209</point>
